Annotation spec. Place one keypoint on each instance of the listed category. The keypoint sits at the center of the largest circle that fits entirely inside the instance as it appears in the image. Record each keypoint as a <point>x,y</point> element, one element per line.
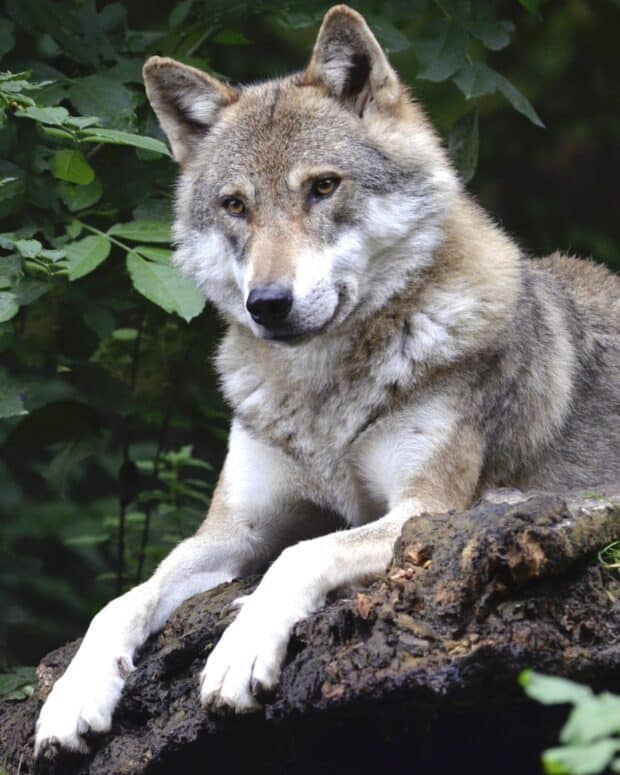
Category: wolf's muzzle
<point>269,305</point>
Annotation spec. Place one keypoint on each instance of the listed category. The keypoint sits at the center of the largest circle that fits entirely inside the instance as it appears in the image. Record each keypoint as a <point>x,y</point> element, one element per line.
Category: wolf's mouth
<point>297,337</point>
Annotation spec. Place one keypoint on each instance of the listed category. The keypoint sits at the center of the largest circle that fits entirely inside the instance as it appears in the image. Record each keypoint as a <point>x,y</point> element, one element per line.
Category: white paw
<point>82,700</point>
<point>246,661</point>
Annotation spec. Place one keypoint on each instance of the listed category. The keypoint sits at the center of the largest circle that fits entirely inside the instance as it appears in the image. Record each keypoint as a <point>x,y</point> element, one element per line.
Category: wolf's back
<point>565,352</point>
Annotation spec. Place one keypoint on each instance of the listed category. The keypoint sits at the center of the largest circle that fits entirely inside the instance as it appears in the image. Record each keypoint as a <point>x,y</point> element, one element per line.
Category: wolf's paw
<point>245,664</point>
<point>81,701</point>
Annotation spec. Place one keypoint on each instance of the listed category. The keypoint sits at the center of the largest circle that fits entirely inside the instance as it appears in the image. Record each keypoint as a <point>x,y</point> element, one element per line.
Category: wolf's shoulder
<point>591,285</point>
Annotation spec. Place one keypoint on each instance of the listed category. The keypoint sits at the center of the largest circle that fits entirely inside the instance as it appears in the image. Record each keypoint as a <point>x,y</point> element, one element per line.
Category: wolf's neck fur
<point>457,305</point>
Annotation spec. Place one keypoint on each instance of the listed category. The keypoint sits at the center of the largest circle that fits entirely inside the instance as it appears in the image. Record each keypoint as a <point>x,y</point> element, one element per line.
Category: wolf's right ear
<point>185,100</point>
<point>349,63</point>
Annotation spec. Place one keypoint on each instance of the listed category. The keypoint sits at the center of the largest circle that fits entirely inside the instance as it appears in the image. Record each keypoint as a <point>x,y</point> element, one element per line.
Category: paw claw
<point>125,667</point>
<point>243,668</point>
<point>49,749</point>
<point>260,691</point>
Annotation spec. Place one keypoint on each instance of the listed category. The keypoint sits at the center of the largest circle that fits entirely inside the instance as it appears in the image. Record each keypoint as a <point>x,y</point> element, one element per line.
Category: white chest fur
<point>353,431</point>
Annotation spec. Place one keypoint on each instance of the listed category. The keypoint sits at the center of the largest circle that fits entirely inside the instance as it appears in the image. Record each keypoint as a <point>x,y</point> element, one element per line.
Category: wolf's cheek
<point>326,281</point>
<point>315,310</point>
<point>209,260</point>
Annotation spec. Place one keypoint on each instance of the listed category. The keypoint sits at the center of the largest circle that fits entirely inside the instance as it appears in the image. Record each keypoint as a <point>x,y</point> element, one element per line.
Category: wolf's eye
<point>325,186</point>
<point>234,206</point>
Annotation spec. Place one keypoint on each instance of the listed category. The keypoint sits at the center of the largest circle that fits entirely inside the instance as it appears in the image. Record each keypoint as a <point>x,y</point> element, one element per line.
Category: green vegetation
<point>591,736</point>
<point>609,557</point>
<point>111,426</point>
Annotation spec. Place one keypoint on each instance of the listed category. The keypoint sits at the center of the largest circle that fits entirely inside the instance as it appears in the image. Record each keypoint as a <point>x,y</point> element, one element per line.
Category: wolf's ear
<point>349,62</point>
<point>186,102</point>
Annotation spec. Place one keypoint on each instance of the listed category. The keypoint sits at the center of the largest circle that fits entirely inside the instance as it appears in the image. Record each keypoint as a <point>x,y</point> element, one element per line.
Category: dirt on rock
<point>417,669</point>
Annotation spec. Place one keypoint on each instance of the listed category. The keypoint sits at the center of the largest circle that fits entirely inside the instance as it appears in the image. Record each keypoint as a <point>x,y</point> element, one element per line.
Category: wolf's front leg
<point>253,515</point>
<point>248,657</point>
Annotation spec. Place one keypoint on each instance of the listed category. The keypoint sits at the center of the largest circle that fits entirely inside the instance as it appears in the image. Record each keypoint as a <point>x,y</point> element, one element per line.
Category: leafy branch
<point>590,737</point>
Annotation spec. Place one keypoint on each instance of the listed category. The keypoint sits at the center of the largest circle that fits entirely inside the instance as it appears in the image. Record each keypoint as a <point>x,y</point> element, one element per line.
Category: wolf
<point>389,352</point>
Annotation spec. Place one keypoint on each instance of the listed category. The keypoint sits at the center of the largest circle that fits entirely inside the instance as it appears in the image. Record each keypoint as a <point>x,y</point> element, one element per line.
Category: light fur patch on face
<point>371,261</point>
<point>323,277</point>
<point>209,260</point>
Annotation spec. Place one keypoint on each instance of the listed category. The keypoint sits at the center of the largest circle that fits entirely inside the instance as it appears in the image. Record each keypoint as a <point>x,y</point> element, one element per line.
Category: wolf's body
<point>389,352</point>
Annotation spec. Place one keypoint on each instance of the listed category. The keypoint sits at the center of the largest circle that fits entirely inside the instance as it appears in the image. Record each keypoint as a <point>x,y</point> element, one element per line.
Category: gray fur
<point>564,310</point>
<point>430,359</point>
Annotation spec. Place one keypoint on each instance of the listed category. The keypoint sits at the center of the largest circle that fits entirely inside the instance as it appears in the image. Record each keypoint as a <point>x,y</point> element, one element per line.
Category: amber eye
<point>325,186</point>
<point>234,206</point>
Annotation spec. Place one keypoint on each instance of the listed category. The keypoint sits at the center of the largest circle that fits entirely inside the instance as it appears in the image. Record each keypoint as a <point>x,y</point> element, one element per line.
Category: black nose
<point>269,305</point>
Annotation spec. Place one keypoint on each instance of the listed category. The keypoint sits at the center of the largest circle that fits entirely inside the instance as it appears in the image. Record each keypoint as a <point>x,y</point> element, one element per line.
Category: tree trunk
<point>418,669</point>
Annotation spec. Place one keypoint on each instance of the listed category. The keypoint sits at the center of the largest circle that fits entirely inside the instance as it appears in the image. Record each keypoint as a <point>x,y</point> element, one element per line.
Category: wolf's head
<point>307,200</point>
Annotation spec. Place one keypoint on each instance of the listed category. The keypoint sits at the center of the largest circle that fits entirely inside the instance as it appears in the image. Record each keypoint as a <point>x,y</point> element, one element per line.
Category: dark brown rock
<point>417,669</point>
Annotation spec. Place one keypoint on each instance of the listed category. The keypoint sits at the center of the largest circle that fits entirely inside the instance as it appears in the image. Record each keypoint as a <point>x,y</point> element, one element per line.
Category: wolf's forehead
<point>275,127</point>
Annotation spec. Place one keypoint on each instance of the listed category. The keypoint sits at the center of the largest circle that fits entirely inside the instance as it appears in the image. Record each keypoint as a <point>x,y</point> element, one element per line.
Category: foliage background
<point>111,426</point>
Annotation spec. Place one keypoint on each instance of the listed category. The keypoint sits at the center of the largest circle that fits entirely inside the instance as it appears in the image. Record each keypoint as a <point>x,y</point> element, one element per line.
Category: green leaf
<point>125,334</point>
<point>442,49</point>
<point>61,134</point>
<point>51,116</point>
<point>463,144</point>
<point>30,290</point>
<point>99,95</point>
<point>142,231</point>
<point>231,38</point>
<point>11,395</point>
<point>28,248</point>
<point>390,37</point>
<point>533,6</point>
<point>74,229</point>
<point>72,167</point>
<point>159,255</point>
<point>7,37</point>
<point>580,759</point>
<point>10,270</point>
<point>178,15</point>
<point>52,255</point>
<point>297,20</point>
<point>85,255</point>
<point>19,683</point>
<point>82,122</point>
<point>80,197</point>
<point>165,287</point>
<point>518,101</point>
<point>8,306</point>
<point>476,80</point>
<point>551,690</point>
<point>100,320</point>
<point>116,137</point>
<point>592,718</point>
<point>494,35</point>
<point>87,540</point>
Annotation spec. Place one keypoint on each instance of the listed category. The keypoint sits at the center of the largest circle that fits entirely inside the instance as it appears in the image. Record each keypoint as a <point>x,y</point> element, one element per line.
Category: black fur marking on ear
<point>357,76</point>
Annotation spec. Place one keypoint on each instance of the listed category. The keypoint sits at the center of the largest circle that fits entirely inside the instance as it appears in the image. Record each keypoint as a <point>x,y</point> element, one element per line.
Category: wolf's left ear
<point>349,62</point>
<point>186,100</point>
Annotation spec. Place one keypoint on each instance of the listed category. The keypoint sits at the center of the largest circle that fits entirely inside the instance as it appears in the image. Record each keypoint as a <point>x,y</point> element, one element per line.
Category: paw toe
<point>96,720</point>
<point>48,749</point>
